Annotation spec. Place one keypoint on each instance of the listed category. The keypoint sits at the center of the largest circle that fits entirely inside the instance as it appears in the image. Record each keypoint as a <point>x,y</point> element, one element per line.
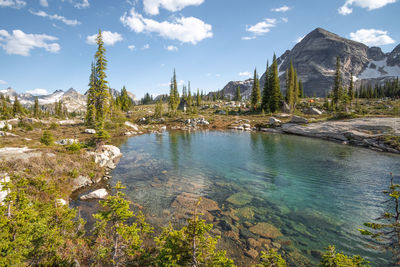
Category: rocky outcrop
<point>97,194</point>
<point>107,156</point>
<point>366,132</point>
<point>298,119</point>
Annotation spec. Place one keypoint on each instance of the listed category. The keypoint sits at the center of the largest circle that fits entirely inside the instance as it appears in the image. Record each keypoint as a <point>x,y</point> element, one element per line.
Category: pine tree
<point>189,101</point>
<point>295,90</point>
<point>351,89</point>
<point>198,98</point>
<point>337,87</point>
<point>266,90</point>
<point>36,110</point>
<point>238,97</point>
<point>102,92</point>
<point>90,118</point>
<point>301,90</point>
<point>17,108</point>
<point>125,100</point>
<point>255,92</point>
<point>274,102</point>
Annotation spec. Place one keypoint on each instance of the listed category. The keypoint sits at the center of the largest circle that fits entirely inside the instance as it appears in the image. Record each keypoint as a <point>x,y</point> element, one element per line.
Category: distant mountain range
<point>73,100</point>
<point>314,58</point>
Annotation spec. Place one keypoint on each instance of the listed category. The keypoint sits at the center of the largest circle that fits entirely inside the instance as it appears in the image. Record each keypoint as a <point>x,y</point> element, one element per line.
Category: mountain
<point>73,100</point>
<point>314,58</point>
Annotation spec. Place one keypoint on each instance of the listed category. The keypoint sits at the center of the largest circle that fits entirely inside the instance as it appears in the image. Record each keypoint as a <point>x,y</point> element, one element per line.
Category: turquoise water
<point>315,192</point>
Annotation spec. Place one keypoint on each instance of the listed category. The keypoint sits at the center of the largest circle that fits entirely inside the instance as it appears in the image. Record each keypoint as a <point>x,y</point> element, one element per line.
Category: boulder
<point>97,194</point>
<point>106,156</point>
<point>274,121</point>
<point>131,125</point>
<point>163,128</point>
<point>265,230</point>
<point>312,111</point>
<point>66,141</point>
<point>298,119</point>
<point>81,181</point>
<point>246,126</point>
<point>90,131</point>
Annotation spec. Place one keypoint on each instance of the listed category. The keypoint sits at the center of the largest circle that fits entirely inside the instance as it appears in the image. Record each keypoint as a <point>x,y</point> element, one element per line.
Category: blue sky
<point>47,45</point>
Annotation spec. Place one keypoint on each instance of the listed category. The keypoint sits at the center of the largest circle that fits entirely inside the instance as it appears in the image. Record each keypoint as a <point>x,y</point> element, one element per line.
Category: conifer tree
<point>103,98</point>
<point>36,110</point>
<point>295,90</point>
<point>337,87</point>
<point>158,112</point>
<point>255,92</point>
<point>238,97</point>
<point>290,86</point>
<point>17,108</point>
<point>198,98</point>
<point>266,90</point>
<point>90,118</point>
<point>351,89</point>
<point>275,87</point>
<point>301,90</point>
<point>125,100</point>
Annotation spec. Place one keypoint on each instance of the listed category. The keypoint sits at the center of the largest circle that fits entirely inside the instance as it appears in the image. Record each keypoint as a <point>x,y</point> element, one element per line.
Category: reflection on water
<point>261,190</point>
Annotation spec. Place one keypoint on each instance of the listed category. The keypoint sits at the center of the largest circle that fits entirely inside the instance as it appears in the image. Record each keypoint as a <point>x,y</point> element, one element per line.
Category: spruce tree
<point>301,90</point>
<point>274,102</point>
<point>255,92</point>
<point>238,97</point>
<point>266,90</point>
<point>337,87</point>
<point>351,89</point>
<point>295,90</point>
<point>17,108</point>
<point>125,100</point>
<point>102,91</point>
<point>90,118</point>
<point>36,110</point>
<point>198,98</point>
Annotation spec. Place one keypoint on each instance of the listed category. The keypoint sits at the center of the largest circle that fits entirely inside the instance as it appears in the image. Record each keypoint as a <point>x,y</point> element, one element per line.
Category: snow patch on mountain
<point>379,69</point>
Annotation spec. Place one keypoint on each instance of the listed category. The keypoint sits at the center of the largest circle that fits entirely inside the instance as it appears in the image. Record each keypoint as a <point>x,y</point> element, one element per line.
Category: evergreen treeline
<point>388,89</point>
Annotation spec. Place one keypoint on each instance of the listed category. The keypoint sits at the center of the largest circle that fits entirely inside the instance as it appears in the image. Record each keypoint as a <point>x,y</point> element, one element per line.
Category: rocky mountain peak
<point>394,57</point>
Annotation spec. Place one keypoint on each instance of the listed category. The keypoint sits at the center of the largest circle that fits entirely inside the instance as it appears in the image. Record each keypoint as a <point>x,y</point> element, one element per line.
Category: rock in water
<point>266,230</point>
<point>239,199</point>
<point>99,194</point>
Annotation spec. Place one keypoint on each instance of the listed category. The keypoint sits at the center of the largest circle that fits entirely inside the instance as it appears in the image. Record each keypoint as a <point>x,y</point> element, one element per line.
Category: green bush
<point>47,138</point>
<point>74,147</point>
<point>53,126</point>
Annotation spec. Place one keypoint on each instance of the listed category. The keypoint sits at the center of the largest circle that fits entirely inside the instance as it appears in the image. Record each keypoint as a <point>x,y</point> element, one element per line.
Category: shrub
<point>74,147</point>
<point>47,138</point>
<point>53,126</point>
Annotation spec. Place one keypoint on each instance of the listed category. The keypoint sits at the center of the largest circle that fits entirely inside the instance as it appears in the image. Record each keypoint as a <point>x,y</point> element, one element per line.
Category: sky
<point>46,45</point>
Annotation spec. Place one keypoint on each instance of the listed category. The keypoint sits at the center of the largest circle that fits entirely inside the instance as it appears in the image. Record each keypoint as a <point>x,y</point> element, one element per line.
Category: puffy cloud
<point>3,82</point>
<point>152,7</point>
<point>262,27</point>
<point>368,4</point>
<point>20,43</point>
<point>38,91</point>
<point>172,48</point>
<point>146,46</point>
<point>281,9</point>
<point>84,4</point>
<point>245,74</point>
<point>44,3</point>
<point>109,38</point>
<point>12,3</point>
<point>184,29</point>
<point>371,37</point>
<point>131,47</point>
<point>63,19</point>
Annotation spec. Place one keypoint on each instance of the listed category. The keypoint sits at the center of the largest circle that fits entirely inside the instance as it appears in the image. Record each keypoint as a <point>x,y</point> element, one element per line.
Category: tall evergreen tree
<point>337,87</point>
<point>266,90</point>
<point>90,118</point>
<point>255,92</point>
<point>125,100</point>
<point>274,102</point>
<point>17,108</point>
<point>36,110</point>
<point>198,98</point>
<point>102,92</point>
<point>238,97</point>
<point>301,90</point>
<point>295,90</point>
<point>351,89</point>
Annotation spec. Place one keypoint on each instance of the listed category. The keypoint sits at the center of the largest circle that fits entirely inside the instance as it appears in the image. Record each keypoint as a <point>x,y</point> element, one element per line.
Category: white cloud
<point>63,19</point>
<point>131,47</point>
<point>20,43</point>
<point>368,4</point>
<point>38,91</point>
<point>12,3</point>
<point>372,37</point>
<point>146,46</point>
<point>152,7</point>
<point>262,27</point>
<point>248,37</point>
<point>84,4</point>
<point>44,3</point>
<point>245,74</point>
<point>3,82</point>
<point>184,29</point>
<point>109,38</point>
<point>281,9</point>
<point>172,48</point>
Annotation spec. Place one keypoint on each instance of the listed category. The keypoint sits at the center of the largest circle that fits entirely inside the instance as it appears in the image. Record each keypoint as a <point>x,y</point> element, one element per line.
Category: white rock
<point>107,155</point>
<point>246,125</point>
<point>4,124</point>
<point>128,134</point>
<point>274,121</point>
<point>312,111</point>
<point>81,181</point>
<point>7,134</point>
<point>99,194</point>
<point>66,141</point>
<point>90,131</point>
<point>163,128</point>
<point>70,122</point>
<point>133,126</point>
<point>62,202</point>
<point>4,178</point>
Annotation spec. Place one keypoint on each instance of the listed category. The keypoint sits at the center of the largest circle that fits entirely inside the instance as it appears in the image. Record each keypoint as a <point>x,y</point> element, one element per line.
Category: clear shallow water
<point>315,192</point>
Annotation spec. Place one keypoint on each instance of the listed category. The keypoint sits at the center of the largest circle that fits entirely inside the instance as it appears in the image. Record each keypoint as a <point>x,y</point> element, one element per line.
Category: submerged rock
<point>99,194</point>
<point>239,199</point>
<point>266,230</point>
<point>245,212</point>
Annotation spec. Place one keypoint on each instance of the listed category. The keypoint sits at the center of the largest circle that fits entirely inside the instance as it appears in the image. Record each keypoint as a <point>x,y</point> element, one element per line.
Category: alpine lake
<point>291,193</point>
